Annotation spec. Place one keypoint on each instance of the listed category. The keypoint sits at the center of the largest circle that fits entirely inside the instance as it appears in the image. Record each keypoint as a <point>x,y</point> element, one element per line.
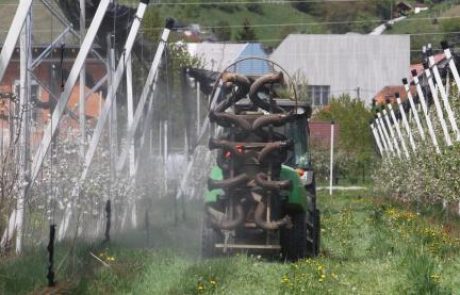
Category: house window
<point>319,94</point>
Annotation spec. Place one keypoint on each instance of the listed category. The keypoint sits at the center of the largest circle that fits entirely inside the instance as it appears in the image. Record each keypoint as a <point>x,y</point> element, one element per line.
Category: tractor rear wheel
<point>294,240</point>
<point>313,233</point>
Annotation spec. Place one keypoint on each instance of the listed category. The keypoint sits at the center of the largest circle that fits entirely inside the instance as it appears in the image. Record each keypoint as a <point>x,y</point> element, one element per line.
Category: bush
<point>255,8</point>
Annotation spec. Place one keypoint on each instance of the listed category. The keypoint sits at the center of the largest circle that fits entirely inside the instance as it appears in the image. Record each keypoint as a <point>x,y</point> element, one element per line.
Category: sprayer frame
<point>221,240</point>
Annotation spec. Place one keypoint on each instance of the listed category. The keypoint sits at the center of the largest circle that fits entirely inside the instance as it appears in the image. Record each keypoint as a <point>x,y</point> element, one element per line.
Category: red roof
<point>419,67</point>
<point>388,93</point>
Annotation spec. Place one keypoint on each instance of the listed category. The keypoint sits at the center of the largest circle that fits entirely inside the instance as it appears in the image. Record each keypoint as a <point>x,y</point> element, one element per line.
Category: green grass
<point>369,246</point>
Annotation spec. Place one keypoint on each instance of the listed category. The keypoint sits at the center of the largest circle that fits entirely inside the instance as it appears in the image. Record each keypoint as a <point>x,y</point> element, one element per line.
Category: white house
<point>354,64</point>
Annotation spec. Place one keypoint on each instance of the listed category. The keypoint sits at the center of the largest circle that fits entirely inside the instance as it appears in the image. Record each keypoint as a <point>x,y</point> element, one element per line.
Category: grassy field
<point>369,246</point>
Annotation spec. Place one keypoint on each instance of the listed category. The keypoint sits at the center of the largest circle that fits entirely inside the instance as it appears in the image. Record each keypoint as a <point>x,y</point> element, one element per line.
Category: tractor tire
<point>314,233</point>
<point>294,240</point>
<point>209,238</point>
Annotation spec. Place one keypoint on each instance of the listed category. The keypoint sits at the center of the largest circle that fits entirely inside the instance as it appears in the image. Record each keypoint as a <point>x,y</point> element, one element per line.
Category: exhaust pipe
<point>219,220</point>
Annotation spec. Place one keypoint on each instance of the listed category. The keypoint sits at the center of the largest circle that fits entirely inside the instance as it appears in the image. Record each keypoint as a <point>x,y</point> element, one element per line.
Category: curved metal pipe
<point>227,119</point>
<point>265,136</point>
<point>273,146</point>
<point>262,180</point>
<point>257,86</point>
<point>243,84</point>
<point>224,144</point>
<point>219,219</point>
<point>228,183</point>
<point>275,119</point>
<point>269,225</point>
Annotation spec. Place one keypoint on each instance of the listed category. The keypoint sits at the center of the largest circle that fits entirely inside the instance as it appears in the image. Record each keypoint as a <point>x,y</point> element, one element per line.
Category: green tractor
<point>261,195</point>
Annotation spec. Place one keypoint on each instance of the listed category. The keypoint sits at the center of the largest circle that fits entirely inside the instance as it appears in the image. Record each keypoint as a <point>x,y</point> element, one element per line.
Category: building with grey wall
<point>354,64</point>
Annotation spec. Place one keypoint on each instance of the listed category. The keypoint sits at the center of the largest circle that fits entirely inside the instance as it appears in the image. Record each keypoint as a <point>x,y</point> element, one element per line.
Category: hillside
<point>441,22</point>
<point>271,22</point>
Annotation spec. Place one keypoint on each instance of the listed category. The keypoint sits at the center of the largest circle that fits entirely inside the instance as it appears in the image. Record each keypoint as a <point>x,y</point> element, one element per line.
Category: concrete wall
<point>346,62</point>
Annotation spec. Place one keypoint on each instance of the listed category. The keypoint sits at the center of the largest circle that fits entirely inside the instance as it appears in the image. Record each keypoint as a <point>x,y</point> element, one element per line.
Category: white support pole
<point>377,140</point>
<point>13,35</point>
<point>148,89</point>
<point>414,110</point>
<point>24,140</point>
<point>392,133</point>
<point>198,107</point>
<point>331,163</point>
<point>406,124</point>
<point>421,98</point>
<point>105,112</point>
<point>130,107</point>
<point>147,126</point>
<point>65,95</point>
<point>112,90</point>
<point>165,158</point>
<point>437,104</point>
<point>113,113</point>
<point>382,125</point>
<point>386,148</point>
<point>448,82</point>
<point>82,104</point>
<point>206,123</point>
<point>445,99</point>
<point>452,66</point>
<point>398,131</point>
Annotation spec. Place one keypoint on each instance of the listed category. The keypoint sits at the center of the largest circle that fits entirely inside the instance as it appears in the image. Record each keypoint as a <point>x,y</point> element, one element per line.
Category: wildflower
<point>285,280</point>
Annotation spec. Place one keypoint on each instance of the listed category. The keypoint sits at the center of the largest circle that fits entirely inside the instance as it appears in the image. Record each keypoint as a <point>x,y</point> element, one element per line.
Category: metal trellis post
<point>406,124</point>
<point>437,104</point>
<point>421,98</point>
<point>398,131</point>
<point>70,82</point>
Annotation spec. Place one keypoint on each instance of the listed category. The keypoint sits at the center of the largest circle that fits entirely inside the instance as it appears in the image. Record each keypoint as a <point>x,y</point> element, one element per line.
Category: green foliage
<point>355,148</point>
<point>247,33</point>
<point>353,118</point>
<point>451,25</point>
<point>152,24</point>
<point>352,261</point>
<point>222,31</point>
<point>255,8</point>
<point>427,177</point>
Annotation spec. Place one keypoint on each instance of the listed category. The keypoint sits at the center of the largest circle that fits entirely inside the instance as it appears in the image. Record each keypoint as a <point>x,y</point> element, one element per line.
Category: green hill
<point>271,22</point>
<point>441,22</point>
